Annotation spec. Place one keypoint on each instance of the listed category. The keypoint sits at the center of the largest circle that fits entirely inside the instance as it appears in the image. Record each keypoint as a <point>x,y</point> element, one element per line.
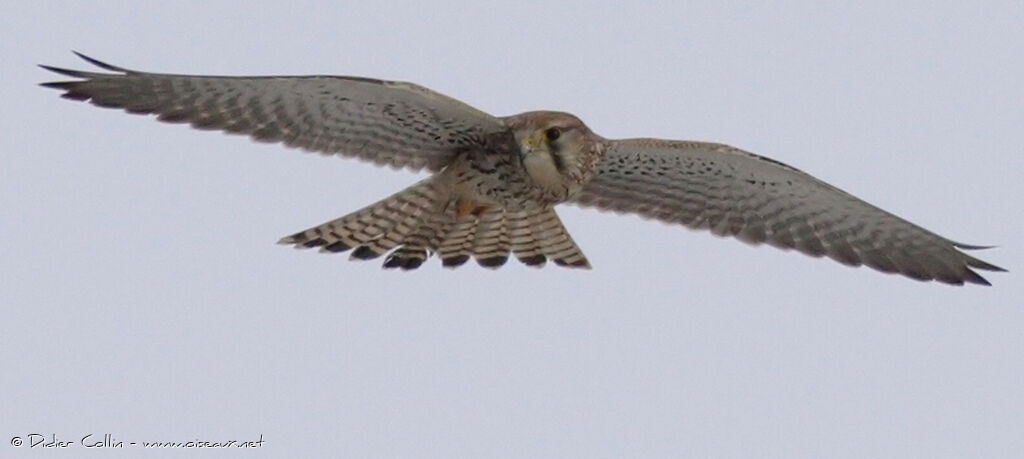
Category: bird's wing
<point>385,122</point>
<point>758,200</point>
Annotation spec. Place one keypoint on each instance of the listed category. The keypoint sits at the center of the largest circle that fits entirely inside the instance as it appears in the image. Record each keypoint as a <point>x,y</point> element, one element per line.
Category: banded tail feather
<point>538,235</point>
<point>422,220</point>
<point>373,230</point>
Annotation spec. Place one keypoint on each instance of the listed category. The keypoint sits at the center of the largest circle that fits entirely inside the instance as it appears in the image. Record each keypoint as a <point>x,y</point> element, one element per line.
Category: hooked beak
<point>530,144</point>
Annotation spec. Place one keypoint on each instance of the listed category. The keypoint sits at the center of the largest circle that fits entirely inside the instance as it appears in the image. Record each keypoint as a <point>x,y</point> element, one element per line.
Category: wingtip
<point>100,64</point>
<point>971,277</point>
<point>977,263</point>
<point>963,246</point>
<point>64,71</point>
<point>983,265</point>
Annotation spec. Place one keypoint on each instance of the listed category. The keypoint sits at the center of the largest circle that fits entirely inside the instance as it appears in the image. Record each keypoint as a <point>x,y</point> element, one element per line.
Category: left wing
<point>758,200</point>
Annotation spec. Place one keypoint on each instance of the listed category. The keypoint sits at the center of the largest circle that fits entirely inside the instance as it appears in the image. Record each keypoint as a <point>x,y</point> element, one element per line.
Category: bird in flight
<point>496,180</point>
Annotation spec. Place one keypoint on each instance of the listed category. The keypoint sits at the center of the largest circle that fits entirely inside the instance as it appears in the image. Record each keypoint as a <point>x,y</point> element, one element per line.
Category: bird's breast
<point>496,181</point>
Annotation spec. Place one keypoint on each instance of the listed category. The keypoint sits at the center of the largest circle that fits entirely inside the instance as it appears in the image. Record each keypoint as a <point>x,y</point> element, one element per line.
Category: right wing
<point>394,123</point>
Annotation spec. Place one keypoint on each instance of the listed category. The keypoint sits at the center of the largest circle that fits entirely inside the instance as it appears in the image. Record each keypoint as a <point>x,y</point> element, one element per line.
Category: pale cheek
<point>542,170</point>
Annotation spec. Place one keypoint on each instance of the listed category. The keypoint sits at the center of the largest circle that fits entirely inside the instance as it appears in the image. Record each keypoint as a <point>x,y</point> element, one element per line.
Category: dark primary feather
<point>394,123</point>
<point>758,200</point>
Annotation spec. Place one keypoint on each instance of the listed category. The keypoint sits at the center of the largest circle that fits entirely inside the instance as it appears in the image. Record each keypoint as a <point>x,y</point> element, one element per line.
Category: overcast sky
<point>144,296</point>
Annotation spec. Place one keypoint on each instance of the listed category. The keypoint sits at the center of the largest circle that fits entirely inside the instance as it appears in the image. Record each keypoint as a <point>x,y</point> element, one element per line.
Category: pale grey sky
<point>143,295</point>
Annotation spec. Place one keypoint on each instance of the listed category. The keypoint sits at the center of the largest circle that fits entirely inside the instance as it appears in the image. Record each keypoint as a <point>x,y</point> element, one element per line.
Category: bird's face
<point>557,150</point>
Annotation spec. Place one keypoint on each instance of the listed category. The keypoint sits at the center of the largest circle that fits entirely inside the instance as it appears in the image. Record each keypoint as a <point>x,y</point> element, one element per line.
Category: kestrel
<point>496,180</point>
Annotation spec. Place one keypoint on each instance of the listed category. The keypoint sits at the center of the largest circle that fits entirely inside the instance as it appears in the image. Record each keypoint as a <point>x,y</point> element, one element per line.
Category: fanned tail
<point>533,237</point>
<point>421,220</point>
<point>378,228</point>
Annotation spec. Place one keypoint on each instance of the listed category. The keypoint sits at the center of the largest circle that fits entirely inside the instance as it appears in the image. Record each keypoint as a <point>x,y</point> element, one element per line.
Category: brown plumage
<point>497,179</point>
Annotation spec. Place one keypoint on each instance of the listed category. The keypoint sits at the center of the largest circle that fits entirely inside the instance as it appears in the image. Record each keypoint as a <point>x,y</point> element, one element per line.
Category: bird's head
<point>557,150</point>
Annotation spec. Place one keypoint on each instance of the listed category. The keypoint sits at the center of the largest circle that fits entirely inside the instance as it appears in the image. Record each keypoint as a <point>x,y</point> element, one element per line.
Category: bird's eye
<point>553,134</point>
